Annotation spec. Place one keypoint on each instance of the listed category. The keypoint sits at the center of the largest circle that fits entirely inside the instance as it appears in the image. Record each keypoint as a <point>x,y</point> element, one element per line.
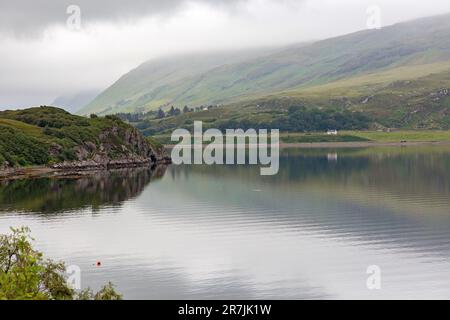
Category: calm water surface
<point>189,232</point>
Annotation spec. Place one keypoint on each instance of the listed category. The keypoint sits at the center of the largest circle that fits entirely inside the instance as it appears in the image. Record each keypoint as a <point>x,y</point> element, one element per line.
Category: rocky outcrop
<point>116,148</point>
<point>103,164</point>
<point>48,138</point>
<point>4,166</point>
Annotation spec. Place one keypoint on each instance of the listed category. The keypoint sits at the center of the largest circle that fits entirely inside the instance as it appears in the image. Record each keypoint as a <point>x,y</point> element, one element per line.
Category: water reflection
<point>226,232</point>
<point>57,195</point>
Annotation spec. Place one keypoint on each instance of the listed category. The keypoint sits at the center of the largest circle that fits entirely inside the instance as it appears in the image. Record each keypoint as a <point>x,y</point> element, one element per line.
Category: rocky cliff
<point>115,148</point>
<point>52,137</point>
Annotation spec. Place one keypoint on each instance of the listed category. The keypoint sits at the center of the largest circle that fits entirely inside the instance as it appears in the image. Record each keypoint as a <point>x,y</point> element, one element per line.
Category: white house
<point>332,132</point>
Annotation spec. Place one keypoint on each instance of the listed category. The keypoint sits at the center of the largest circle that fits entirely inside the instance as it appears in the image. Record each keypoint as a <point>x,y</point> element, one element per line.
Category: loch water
<point>226,232</point>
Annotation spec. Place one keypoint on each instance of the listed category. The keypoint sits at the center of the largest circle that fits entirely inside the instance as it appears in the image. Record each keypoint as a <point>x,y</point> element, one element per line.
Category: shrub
<point>26,275</point>
<point>20,149</point>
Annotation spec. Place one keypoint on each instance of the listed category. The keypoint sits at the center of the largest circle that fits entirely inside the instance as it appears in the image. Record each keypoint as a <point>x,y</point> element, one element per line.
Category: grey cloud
<point>35,70</point>
<point>24,17</point>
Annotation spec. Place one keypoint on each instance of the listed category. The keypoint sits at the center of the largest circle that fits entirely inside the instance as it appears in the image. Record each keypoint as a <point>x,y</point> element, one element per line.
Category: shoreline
<point>73,172</point>
<point>68,172</point>
<point>362,144</point>
<point>354,144</point>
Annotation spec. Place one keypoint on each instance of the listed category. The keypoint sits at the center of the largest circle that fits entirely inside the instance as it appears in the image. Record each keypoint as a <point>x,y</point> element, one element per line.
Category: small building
<point>332,132</point>
<point>332,156</point>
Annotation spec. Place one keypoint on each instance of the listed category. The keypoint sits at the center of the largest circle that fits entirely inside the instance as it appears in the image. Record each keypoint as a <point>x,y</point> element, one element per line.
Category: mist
<point>43,57</point>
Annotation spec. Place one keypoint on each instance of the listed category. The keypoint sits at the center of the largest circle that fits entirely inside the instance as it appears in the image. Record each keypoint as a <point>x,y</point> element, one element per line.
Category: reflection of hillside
<point>416,175</point>
<point>48,195</point>
<point>391,199</point>
<point>403,177</point>
<point>405,182</point>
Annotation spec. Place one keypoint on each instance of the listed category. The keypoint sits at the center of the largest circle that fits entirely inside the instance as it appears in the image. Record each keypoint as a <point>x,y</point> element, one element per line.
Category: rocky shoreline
<point>111,164</point>
<point>59,143</point>
<point>81,168</point>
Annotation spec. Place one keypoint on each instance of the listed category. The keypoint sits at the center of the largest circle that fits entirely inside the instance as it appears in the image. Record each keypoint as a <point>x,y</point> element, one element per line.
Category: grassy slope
<point>406,97</point>
<point>159,82</point>
<point>21,144</point>
<point>416,43</point>
<point>398,136</point>
<point>27,135</point>
<point>351,136</point>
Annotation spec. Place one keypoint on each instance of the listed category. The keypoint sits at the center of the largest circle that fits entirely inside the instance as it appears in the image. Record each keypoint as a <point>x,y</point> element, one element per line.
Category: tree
<point>186,109</point>
<point>160,114</point>
<point>174,111</point>
<point>26,275</point>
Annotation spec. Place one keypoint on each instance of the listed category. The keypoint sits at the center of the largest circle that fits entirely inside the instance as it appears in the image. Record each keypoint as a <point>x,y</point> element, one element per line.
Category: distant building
<point>332,156</point>
<point>332,132</point>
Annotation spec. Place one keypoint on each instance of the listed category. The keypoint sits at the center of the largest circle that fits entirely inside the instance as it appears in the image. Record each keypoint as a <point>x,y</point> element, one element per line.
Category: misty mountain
<point>73,102</point>
<point>231,77</point>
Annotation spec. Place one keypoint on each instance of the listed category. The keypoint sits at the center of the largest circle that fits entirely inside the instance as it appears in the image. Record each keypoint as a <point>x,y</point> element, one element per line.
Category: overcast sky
<point>42,58</point>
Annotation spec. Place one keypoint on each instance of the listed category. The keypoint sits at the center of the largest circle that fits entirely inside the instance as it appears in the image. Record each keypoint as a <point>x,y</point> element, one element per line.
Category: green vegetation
<point>156,145</point>
<point>45,135</point>
<point>416,97</point>
<point>351,136</point>
<point>154,83</point>
<point>369,136</point>
<point>403,135</point>
<point>26,275</point>
<point>292,119</point>
<point>300,119</point>
<point>18,148</point>
<point>397,76</point>
<point>317,138</point>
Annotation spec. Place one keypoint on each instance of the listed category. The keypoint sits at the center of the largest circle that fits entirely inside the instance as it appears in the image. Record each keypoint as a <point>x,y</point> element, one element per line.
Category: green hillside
<point>48,135</point>
<point>226,78</point>
<point>157,83</point>
<point>408,97</point>
<point>414,97</point>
